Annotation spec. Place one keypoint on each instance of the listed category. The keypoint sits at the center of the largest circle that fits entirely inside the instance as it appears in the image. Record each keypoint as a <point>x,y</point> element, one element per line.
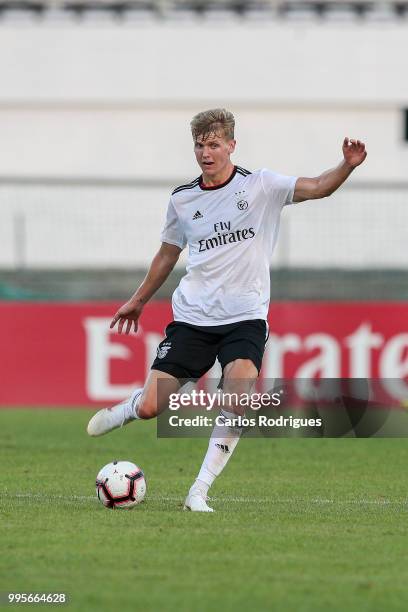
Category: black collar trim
<point>210,188</point>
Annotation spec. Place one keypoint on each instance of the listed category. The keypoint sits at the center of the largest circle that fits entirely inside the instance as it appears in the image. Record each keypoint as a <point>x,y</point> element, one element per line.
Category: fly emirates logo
<point>223,235</point>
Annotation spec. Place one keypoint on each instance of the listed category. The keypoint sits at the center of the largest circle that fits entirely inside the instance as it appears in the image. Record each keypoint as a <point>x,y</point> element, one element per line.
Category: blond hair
<point>211,122</point>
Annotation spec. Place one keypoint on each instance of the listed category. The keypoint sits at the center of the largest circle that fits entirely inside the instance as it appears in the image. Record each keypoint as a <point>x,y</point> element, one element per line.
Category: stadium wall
<point>94,121</point>
<point>111,101</point>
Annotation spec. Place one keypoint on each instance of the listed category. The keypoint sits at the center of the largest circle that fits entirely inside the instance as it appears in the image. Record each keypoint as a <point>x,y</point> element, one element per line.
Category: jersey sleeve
<point>172,232</point>
<point>278,188</point>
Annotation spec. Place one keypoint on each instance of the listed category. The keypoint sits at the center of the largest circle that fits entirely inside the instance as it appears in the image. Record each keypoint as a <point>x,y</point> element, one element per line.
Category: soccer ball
<point>120,484</point>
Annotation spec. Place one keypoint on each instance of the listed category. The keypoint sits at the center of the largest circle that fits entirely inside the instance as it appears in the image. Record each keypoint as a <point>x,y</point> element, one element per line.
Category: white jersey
<point>231,230</point>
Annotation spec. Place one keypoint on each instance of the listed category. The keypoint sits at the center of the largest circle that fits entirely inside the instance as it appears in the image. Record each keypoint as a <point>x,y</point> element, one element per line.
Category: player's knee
<point>239,376</point>
<point>146,409</point>
<point>240,370</point>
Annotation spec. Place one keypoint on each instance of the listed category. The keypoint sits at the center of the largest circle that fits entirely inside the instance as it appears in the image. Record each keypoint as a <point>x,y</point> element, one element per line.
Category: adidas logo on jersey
<point>198,215</point>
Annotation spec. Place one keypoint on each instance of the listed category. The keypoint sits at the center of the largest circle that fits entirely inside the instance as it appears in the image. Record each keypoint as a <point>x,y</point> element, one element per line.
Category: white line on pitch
<point>240,500</point>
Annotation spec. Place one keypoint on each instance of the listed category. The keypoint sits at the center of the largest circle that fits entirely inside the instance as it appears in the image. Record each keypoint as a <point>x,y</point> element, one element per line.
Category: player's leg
<point>240,354</point>
<point>185,353</point>
<point>144,403</point>
<point>239,378</point>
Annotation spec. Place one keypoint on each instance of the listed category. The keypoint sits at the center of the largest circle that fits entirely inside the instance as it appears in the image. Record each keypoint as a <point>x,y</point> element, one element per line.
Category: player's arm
<point>354,153</point>
<point>160,268</point>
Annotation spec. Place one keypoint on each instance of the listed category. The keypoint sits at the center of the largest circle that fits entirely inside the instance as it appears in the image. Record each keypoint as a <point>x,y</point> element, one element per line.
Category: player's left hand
<point>354,152</point>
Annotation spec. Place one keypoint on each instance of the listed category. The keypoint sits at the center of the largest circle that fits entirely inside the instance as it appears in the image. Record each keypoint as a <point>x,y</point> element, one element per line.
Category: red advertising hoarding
<point>65,354</point>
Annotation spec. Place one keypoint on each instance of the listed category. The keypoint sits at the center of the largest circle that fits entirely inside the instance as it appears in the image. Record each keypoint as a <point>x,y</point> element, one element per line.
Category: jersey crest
<point>163,349</point>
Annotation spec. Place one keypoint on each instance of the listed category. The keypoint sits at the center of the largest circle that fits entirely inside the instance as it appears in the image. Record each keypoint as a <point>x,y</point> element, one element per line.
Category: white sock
<point>131,404</point>
<point>220,448</point>
<point>202,486</point>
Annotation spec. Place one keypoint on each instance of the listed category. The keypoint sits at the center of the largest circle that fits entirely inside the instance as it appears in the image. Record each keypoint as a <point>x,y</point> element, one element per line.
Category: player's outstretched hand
<point>354,152</point>
<point>129,313</point>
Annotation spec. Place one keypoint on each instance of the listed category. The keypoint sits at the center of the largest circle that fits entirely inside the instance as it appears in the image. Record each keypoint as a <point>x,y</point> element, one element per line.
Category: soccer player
<point>229,218</point>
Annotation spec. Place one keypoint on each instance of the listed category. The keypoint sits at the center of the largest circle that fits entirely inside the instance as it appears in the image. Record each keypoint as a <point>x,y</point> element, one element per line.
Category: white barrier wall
<point>143,143</point>
<point>361,63</point>
<point>115,101</point>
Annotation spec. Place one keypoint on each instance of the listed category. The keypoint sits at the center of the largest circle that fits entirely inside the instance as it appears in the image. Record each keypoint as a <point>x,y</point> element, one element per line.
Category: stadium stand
<point>296,9</point>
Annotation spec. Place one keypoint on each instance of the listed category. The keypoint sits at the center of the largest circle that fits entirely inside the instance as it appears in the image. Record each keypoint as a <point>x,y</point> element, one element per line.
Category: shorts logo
<point>242,205</point>
<point>163,350</point>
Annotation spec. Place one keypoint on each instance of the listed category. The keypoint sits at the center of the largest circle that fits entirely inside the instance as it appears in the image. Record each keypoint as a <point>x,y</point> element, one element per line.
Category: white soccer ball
<point>120,484</point>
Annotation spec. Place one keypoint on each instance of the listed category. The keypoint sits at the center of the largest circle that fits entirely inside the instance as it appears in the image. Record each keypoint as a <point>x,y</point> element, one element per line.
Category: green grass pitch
<point>300,524</point>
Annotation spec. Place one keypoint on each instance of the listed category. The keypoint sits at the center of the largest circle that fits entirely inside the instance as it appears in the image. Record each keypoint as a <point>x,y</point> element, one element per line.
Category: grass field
<point>300,525</point>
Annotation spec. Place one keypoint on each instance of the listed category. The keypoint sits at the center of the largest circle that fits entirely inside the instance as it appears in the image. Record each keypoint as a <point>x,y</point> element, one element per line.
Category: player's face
<point>213,153</point>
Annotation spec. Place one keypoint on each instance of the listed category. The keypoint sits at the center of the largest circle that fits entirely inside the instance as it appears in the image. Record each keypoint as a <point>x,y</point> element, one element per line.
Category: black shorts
<point>189,351</point>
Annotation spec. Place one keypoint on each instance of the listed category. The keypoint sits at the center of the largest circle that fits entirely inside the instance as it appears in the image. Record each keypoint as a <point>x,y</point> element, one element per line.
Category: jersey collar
<point>211,188</point>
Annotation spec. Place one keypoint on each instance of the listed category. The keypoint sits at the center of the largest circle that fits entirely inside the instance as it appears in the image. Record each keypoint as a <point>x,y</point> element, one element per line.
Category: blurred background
<point>95,103</point>
<point>96,97</point>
